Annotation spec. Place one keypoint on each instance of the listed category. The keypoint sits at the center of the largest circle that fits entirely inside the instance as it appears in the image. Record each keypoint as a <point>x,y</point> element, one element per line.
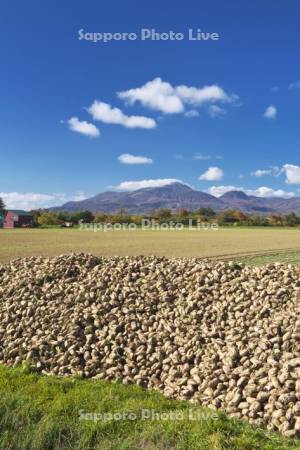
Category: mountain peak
<point>179,186</point>
<point>178,195</point>
<point>231,195</point>
<point>175,187</point>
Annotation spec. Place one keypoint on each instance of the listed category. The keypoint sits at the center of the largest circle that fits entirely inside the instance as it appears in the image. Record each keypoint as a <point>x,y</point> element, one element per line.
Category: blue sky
<point>209,113</point>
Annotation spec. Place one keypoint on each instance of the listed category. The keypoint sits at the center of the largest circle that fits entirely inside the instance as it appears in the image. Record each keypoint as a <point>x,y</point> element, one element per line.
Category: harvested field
<point>254,245</point>
<point>219,334</point>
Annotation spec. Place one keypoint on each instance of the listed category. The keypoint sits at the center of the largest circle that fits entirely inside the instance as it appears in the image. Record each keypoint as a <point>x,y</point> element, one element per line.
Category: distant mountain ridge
<point>177,195</point>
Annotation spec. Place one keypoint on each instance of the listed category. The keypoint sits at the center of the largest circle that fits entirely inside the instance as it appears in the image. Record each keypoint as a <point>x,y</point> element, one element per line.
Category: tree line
<point>231,217</point>
<point>162,215</point>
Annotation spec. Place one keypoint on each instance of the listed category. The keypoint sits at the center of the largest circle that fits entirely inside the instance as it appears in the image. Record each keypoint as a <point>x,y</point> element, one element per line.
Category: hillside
<point>175,196</point>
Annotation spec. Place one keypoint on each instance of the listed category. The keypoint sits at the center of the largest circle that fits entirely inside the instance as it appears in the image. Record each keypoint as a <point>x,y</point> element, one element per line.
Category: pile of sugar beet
<point>216,333</point>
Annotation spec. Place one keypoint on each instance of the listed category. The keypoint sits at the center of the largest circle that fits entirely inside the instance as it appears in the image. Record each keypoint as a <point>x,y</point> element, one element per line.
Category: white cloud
<point>83,127</point>
<point>212,174</point>
<point>106,113</point>
<point>191,113</point>
<point>295,85</point>
<point>292,173</point>
<point>217,191</point>
<point>261,172</point>
<point>275,88</point>
<point>156,94</point>
<point>263,191</point>
<point>32,200</point>
<point>134,185</point>
<point>274,171</point>
<point>162,96</point>
<point>207,94</point>
<point>270,112</point>
<point>216,111</point>
<point>267,192</point>
<point>126,158</point>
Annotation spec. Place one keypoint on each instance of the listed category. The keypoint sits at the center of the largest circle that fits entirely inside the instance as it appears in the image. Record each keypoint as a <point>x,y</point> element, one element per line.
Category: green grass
<point>39,412</point>
<point>239,243</point>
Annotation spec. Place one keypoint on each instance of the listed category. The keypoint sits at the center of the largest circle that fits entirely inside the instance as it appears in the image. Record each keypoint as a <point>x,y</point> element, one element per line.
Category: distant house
<point>1,220</point>
<point>16,218</point>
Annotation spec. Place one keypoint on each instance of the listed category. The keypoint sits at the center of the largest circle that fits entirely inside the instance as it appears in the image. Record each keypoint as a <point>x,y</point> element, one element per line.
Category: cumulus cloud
<point>267,192</point>
<point>104,112</point>
<point>270,112</point>
<point>263,191</point>
<point>32,200</point>
<point>292,173</point>
<point>207,94</point>
<point>126,158</point>
<point>218,191</point>
<point>83,127</point>
<point>134,185</point>
<point>212,174</point>
<point>162,96</point>
<point>156,94</point>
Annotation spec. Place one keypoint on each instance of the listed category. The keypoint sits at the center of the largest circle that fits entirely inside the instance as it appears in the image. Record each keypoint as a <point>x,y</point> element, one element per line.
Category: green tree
<point>2,206</point>
<point>48,218</point>
<point>292,220</point>
<point>64,216</point>
<point>101,217</point>
<point>163,213</point>
<point>85,216</point>
<point>206,212</point>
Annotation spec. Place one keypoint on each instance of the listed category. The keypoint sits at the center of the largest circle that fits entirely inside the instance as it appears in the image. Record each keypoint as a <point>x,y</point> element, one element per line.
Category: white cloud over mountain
<point>263,191</point>
<point>127,158</point>
<point>104,112</point>
<point>31,200</point>
<point>134,185</point>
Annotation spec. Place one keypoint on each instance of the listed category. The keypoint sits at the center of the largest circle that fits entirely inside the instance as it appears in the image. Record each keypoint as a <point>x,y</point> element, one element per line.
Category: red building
<point>16,218</point>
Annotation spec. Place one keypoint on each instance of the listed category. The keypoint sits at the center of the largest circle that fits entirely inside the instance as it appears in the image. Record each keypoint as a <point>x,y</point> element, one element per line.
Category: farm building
<point>16,218</point>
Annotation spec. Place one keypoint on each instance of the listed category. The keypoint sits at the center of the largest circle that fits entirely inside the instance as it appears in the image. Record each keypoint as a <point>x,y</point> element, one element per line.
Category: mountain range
<point>177,195</point>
